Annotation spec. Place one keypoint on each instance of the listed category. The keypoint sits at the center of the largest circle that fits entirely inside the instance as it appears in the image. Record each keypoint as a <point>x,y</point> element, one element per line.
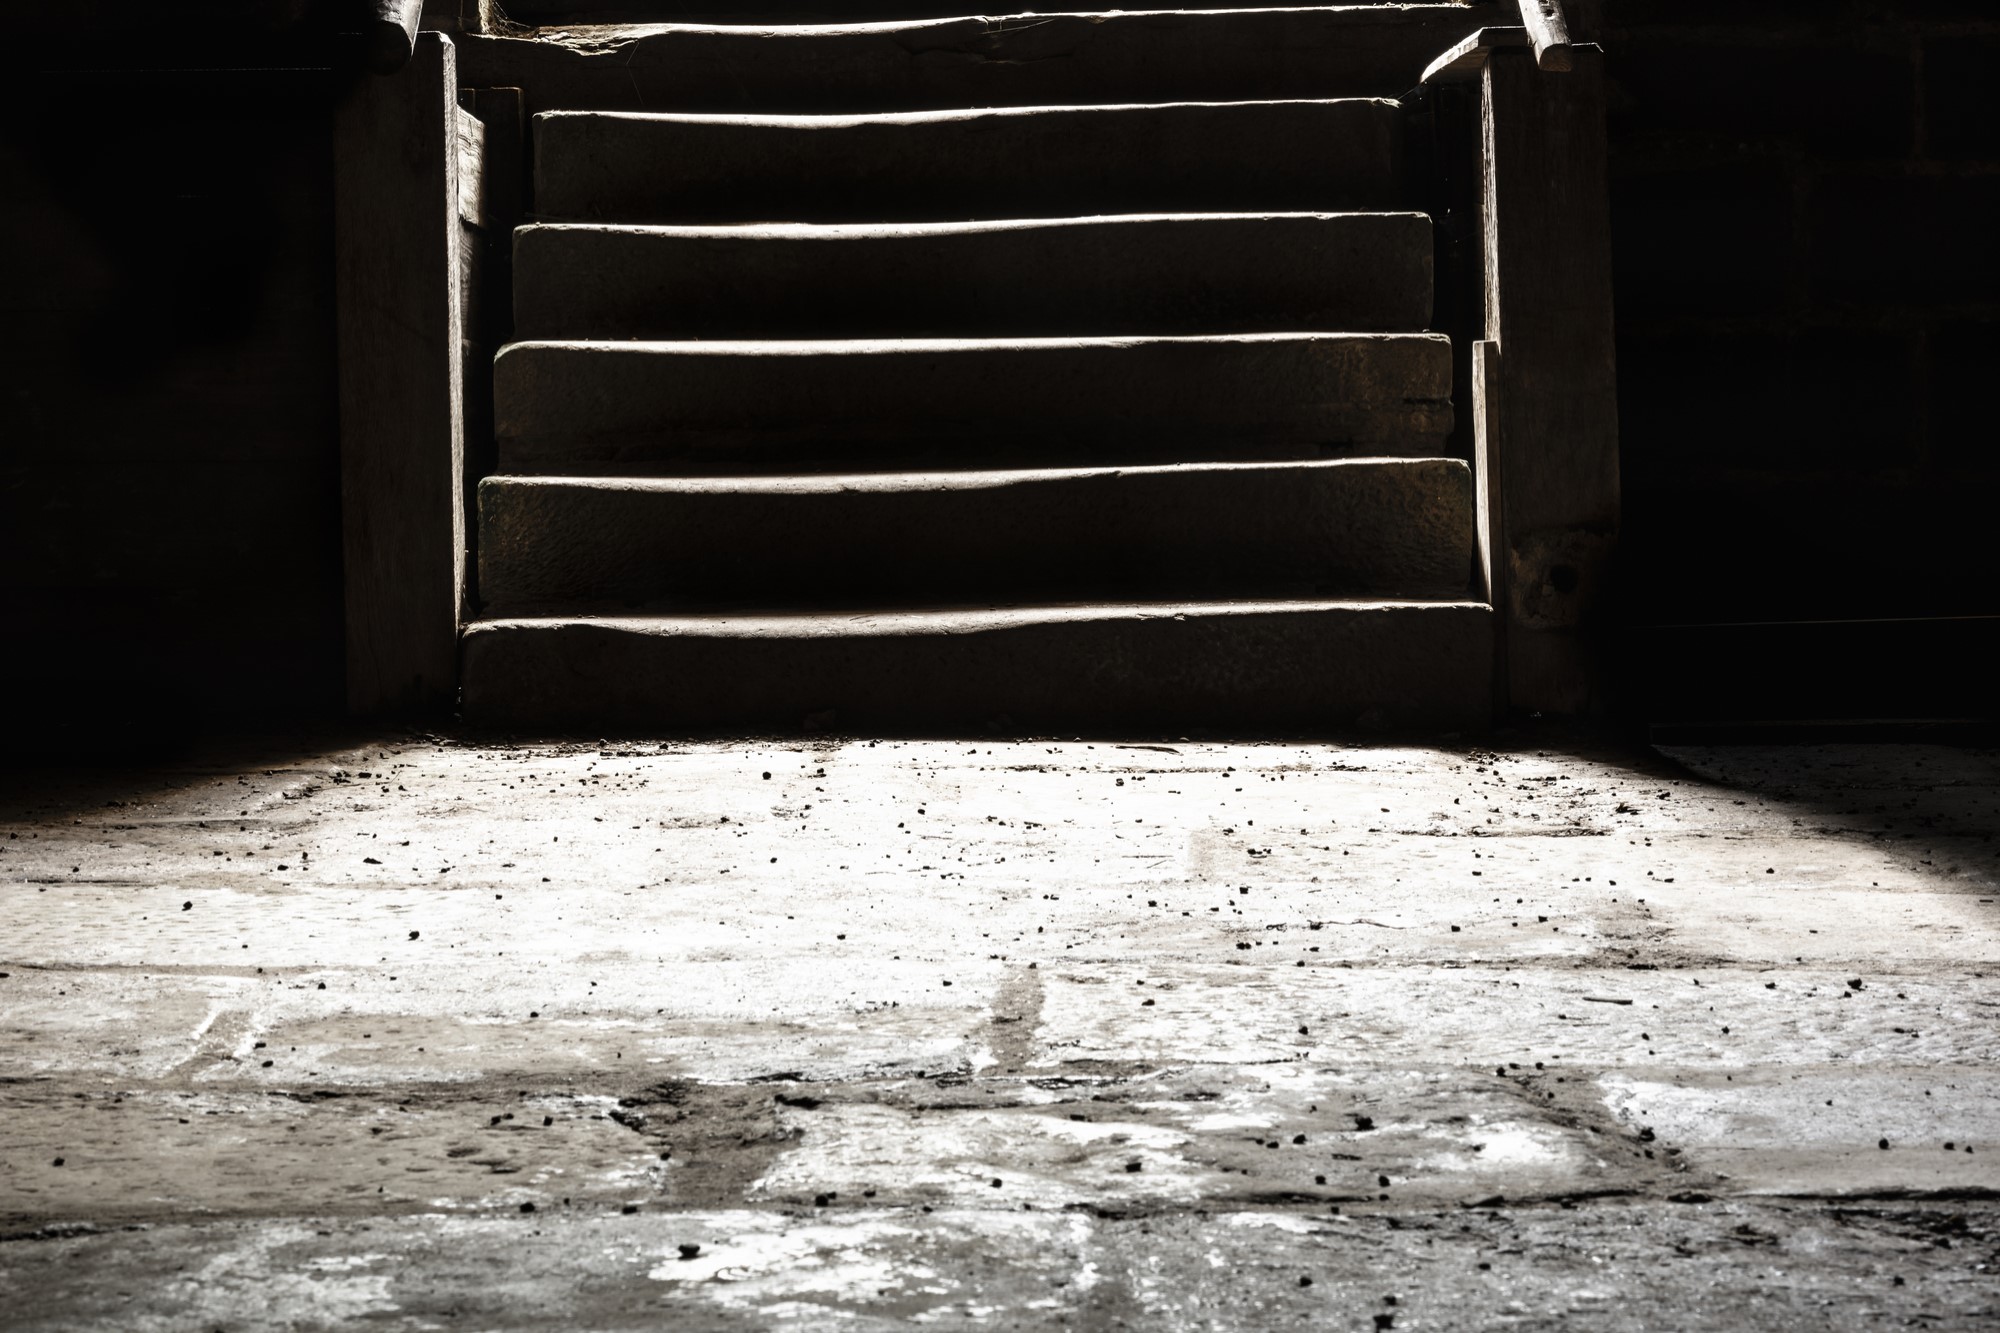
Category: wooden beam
<point>1547,257</point>
<point>1549,31</point>
<point>397,238</point>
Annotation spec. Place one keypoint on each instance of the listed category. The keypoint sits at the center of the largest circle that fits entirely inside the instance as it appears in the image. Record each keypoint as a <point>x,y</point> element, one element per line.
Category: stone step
<point>1132,669</point>
<point>1008,163</point>
<point>574,13</point>
<point>1361,272</point>
<point>815,405</point>
<point>1213,55</point>
<point>1380,527</point>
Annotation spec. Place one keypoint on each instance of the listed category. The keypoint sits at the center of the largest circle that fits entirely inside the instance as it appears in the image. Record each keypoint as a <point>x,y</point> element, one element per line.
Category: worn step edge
<point>1246,667</point>
<point>1382,527</point>
<point>1322,154</point>
<point>1221,55</point>
<point>1077,400</point>
<point>1146,273</point>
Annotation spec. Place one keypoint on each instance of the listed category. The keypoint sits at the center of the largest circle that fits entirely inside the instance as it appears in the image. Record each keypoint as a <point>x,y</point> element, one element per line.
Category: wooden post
<point>392,34</point>
<point>1548,309</point>
<point>492,136</point>
<point>402,442</point>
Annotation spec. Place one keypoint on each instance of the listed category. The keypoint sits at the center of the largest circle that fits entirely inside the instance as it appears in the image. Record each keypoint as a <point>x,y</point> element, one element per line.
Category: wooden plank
<point>469,144</point>
<point>1489,519</point>
<point>1490,515</point>
<point>498,168</point>
<point>396,232</point>
<point>1549,308</point>
<point>1549,31</point>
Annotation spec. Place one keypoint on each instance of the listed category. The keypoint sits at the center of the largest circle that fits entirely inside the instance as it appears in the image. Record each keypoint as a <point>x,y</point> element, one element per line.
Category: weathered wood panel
<point>402,417</point>
<point>1549,307</point>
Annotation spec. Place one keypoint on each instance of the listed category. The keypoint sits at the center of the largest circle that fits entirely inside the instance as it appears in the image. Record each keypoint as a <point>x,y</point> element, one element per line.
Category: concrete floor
<point>414,1034</point>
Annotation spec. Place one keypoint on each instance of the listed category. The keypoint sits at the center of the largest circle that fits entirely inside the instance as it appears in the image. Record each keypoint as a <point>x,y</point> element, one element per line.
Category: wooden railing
<point>1517,118</point>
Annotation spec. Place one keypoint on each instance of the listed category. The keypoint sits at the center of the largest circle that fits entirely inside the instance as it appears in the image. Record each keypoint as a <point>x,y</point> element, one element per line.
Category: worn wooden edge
<point>1462,63</point>
<point>1548,299</point>
<point>1490,518</point>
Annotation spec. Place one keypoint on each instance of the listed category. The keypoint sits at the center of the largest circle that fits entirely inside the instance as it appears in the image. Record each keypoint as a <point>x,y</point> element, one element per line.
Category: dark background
<point>1804,210</point>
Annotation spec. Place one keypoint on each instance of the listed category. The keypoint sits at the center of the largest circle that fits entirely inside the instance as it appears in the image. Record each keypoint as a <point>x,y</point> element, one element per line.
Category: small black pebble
<point>1882,1144</point>
<point>996,1182</point>
<point>548,1120</point>
<point>527,1208</point>
<point>689,1251</point>
<point>59,1161</point>
<point>1305,1281</point>
<point>1298,1138</point>
<point>629,1209</point>
<point>1129,1166</point>
<point>415,933</point>
<point>820,1200</point>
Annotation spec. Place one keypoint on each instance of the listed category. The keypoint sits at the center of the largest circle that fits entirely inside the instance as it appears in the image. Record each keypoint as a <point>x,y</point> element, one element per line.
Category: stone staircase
<point>1085,414</point>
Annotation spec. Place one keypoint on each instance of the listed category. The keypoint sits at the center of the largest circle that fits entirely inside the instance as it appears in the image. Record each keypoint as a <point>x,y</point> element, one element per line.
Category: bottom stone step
<point>1325,667</point>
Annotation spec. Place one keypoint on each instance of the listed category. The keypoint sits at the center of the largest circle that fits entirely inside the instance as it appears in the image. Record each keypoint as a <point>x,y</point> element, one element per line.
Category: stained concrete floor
<point>420,1034</point>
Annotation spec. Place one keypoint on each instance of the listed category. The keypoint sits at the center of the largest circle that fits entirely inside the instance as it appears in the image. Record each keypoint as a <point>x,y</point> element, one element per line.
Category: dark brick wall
<point>1805,206</point>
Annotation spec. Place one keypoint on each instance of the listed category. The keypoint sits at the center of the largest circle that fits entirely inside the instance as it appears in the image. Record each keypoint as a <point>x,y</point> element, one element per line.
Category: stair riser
<point>1359,273</point>
<point>1047,60</point>
<point>625,406</point>
<point>1255,157</point>
<point>1400,529</point>
<point>1329,671</point>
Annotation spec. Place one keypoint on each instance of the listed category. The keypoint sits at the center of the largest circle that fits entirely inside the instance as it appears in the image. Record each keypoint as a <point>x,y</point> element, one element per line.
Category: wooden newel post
<point>402,435</point>
<point>1548,315</point>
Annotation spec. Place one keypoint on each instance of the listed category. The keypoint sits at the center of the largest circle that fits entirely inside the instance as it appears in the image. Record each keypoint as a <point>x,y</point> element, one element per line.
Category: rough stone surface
<point>1328,667</point>
<point>969,402</point>
<point>1355,273</point>
<point>409,1032</point>
<point>1384,527</point>
<point>995,162</point>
